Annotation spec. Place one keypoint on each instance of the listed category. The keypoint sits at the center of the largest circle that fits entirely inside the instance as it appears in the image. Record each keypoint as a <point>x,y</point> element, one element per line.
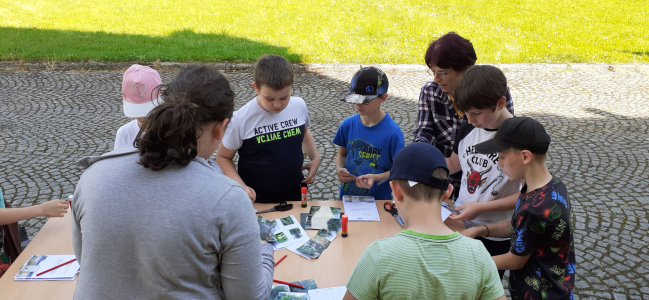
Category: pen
<point>52,268</point>
<point>288,283</point>
<point>280,260</point>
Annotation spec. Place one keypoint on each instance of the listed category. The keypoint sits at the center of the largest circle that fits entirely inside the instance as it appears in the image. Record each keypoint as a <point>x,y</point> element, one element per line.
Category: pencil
<point>52,268</point>
<point>280,260</point>
<point>288,283</point>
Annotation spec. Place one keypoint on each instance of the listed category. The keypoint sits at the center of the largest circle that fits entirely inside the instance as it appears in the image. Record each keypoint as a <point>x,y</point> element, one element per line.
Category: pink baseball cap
<point>137,87</point>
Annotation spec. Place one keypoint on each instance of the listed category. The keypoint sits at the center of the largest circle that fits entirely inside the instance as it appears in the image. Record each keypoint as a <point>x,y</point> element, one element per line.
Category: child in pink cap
<point>140,97</point>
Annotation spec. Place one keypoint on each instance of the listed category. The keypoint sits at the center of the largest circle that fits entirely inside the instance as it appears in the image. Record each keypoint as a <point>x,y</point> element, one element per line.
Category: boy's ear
<point>254,85</point>
<point>448,193</point>
<point>218,131</point>
<point>502,102</point>
<point>397,192</point>
<point>383,97</point>
<point>527,156</point>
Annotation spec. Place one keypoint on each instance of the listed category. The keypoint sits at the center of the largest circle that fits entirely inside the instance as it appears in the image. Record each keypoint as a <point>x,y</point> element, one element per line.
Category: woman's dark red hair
<point>450,51</point>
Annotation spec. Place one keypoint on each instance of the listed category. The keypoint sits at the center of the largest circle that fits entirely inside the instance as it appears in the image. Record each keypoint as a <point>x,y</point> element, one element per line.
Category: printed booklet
<point>282,232</point>
<point>361,208</point>
<point>40,263</point>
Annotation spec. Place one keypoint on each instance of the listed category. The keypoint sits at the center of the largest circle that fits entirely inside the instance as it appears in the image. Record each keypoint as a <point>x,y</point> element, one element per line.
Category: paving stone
<point>598,120</point>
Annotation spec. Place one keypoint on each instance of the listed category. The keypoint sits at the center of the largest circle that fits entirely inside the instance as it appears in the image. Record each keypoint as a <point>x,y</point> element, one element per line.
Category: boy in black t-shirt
<point>542,255</point>
<point>269,133</point>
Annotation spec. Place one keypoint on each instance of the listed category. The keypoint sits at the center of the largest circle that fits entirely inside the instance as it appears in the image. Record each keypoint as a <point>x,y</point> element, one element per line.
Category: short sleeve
<point>340,139</point>
<point>523,238</point>
<point>125,135</point>
<point>460,134</point>
<point>492,288</point>
<point>232,138</point>
<point>397,143</point>
<point>307,121</point>
<point>364,281</point>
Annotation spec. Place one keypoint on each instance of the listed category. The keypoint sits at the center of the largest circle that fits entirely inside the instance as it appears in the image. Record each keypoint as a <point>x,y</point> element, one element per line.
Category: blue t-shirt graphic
<point>370,150</point>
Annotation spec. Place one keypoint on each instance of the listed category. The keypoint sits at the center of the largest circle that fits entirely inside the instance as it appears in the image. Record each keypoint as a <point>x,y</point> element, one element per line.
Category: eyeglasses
<point>442,75</point>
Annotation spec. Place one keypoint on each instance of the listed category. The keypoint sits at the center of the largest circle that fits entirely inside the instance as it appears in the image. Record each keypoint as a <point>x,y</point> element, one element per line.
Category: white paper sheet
<point>40,263</point>
<point>332,293</point>
<point>361,208</point>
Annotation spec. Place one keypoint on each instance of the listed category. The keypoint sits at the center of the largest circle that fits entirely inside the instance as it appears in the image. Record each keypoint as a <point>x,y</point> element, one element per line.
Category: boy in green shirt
<point>429,260</point>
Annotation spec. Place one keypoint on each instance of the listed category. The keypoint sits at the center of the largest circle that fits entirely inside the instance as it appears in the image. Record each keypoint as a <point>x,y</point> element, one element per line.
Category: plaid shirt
<point>437,121</point>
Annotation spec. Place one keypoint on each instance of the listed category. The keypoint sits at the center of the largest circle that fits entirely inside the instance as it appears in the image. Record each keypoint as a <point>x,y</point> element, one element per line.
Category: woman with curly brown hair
<point>162,221</point>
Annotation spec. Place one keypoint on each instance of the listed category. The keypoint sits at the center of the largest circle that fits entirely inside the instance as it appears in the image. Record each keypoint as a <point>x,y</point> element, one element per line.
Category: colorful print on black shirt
<point>541,228</point>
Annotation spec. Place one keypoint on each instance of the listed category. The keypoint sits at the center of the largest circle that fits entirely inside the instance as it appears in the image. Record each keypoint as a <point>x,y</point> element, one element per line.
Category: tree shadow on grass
<point>67,45</point>
<point>638,53</point>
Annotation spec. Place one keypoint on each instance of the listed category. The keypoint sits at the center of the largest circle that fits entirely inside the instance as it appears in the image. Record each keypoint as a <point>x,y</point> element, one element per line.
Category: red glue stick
<point>345,220</point>
<point>304,196</point>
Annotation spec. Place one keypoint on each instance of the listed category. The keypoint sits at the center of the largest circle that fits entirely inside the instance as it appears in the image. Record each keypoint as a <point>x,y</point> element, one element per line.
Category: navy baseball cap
<point>367,84</point>
<point>417,162</point>
<point>521,133</point>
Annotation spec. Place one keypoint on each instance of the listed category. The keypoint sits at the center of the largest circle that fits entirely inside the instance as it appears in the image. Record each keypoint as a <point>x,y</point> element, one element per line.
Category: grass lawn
<point>319,31</point>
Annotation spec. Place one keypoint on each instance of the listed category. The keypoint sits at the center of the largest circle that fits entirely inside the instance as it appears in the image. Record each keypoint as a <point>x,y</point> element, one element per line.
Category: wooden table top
<point>53,239</point>
<point>332,268</point>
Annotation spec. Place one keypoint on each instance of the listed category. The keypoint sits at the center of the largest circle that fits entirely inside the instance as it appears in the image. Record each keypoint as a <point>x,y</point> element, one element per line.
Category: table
<point>331,269</point>
<point>337,262</point>
<point>54,238</point>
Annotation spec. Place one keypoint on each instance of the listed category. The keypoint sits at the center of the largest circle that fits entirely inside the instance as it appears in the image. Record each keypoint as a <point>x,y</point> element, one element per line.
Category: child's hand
<point>312,166</point>
<point>53,208</point>
<point>251,193</point>
<point>344,176</point>
<point>469,211</point>
<point>365,181</point>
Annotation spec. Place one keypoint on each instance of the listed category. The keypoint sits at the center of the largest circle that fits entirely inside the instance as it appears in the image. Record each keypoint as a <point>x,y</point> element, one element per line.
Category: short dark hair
<point>273,71</point>
<point>481,87</point>
<point>169,134</point>
<point>450,51</point>
<point>422,191</point>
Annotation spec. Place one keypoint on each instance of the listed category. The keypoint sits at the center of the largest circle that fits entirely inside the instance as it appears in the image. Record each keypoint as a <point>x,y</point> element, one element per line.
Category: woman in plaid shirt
<point>447,58</point>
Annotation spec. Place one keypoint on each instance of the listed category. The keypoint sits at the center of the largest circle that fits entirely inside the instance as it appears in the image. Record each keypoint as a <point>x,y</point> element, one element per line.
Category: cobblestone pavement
<point>597,115</point>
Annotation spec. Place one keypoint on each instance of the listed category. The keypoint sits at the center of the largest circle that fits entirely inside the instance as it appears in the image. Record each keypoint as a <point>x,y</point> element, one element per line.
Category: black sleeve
<point>461,133</point>
<point>510,103</point>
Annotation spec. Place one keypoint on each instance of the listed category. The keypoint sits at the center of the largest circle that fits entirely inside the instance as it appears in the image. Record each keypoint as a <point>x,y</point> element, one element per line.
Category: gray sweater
<point>179,233</point>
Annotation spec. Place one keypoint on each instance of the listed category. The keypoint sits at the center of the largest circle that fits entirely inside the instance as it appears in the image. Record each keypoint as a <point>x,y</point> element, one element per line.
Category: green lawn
<point>312,31</point>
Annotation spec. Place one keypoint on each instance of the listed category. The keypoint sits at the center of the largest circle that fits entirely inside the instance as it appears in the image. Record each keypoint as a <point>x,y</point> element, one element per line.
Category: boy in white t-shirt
<point>140,97</point>
<point>269,133</point>
<point>486,195</point>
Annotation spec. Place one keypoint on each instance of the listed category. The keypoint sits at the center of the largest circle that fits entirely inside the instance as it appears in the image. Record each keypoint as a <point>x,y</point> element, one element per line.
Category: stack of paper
<point>332,293</point>
<point>40,263</point>
<point>314,247</point>
<point>322,217</point>
<point>283,232</point>
<point>361,208</point>
<point>282,291</point>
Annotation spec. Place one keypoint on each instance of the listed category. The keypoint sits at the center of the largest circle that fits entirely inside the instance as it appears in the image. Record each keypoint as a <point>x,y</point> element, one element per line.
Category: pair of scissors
<point>389,207</point>
<point>282,206</point>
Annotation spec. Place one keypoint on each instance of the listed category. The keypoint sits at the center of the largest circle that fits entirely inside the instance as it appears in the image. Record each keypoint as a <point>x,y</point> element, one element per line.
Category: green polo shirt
<point>412,265</point>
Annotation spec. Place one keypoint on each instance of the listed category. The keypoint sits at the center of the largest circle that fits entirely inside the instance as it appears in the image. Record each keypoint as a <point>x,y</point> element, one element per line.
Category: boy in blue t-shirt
<point>369,140</point>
